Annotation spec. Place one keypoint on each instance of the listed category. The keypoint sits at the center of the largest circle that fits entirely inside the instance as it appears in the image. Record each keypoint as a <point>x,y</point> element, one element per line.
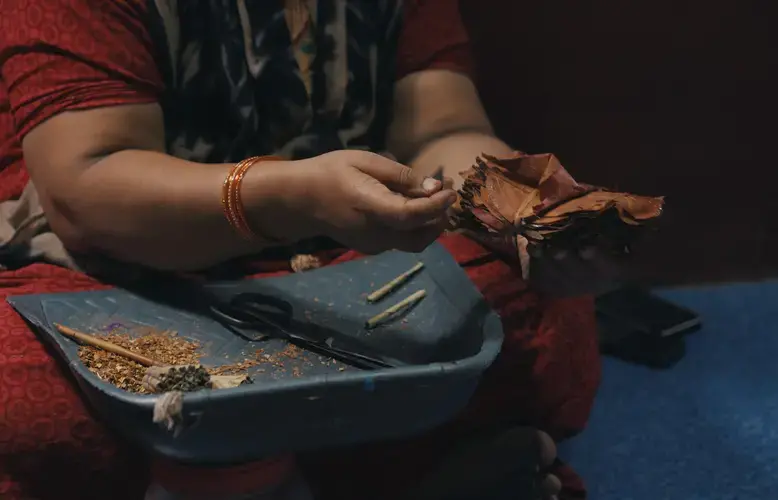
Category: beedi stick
<point>392,285</point>
<point>87,339</point>
<point>406,302</point>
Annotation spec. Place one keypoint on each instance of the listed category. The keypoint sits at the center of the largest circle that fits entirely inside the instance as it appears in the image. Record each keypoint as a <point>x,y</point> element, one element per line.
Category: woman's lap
<point>50,445</point>
<point>546,376</point>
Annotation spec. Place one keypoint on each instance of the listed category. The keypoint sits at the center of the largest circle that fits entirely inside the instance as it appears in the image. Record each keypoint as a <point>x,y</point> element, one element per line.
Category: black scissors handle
<point>272,316</point>
<point>251,310</point>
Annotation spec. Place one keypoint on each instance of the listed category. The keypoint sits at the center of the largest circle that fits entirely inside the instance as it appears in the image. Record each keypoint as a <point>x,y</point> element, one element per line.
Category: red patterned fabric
<point>62,55</point>
<point>546,376</point>
<point>51,447</point>
<point>67,55</point>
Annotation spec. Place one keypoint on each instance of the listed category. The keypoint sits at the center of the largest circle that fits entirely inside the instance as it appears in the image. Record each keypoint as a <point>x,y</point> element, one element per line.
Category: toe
<point>550,486</point>
<point>547,449</point>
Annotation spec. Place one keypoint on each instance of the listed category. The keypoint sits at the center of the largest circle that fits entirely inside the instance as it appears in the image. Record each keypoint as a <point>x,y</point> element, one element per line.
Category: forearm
<point>456,153</point>
<point>159,211</point>
<point>439,122</point>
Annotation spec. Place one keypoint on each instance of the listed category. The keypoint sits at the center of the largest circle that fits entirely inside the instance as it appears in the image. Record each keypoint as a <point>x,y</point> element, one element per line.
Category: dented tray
<point>310,402</point>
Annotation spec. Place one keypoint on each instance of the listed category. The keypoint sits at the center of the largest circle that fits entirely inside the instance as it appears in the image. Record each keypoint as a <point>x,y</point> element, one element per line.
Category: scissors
<point>257,316</point>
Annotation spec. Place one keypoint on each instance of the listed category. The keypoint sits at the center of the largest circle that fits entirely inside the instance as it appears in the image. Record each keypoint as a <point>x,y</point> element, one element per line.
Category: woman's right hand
<point>368,202</point>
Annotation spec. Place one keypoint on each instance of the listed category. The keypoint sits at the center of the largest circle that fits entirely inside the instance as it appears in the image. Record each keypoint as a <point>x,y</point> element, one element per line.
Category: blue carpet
<point>706,429</point>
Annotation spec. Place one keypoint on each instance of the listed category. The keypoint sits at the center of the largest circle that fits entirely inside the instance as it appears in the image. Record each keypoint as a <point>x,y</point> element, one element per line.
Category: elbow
<point>67,198</point>
<point>67,223</point>
<point>80,234</point>
<point>71,220</point>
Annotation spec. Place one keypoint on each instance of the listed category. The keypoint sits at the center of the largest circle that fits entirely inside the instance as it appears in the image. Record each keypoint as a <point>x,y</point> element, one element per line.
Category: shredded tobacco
<point>170,349</point>
<point>165,347</point>
<point>260,358</point>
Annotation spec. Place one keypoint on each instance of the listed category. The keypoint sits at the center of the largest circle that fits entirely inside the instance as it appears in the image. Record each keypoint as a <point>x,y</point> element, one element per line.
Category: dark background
<point>661,97</point>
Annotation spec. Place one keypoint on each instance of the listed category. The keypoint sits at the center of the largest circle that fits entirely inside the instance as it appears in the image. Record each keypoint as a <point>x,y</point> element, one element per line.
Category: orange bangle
<point>232,203</point>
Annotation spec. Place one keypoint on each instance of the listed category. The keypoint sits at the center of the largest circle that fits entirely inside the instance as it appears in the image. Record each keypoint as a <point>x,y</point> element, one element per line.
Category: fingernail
<point>452,198</point>
<point>429,185</point>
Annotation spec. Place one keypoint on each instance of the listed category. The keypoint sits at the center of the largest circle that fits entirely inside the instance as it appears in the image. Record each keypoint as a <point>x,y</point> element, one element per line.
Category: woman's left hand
<point>562,273</point>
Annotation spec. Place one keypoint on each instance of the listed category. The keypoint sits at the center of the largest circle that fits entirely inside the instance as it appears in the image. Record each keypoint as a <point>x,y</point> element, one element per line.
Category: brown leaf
<point>534,197</point>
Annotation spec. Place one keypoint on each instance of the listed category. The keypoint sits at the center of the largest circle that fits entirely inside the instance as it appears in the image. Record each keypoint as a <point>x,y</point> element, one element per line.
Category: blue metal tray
<point>447,341</point>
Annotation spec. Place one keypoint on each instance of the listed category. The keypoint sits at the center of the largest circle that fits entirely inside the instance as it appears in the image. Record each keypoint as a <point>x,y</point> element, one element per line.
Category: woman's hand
<point>369,202</point>
<point>590,271</point>
<point>561,273</point>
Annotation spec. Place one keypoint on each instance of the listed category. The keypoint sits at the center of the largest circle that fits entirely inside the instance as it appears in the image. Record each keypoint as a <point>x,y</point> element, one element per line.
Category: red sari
<point>68,55</point>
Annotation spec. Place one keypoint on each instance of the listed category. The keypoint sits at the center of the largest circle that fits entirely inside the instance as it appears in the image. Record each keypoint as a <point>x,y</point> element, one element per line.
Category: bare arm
<point>106,185</point>
<point>439,121</point>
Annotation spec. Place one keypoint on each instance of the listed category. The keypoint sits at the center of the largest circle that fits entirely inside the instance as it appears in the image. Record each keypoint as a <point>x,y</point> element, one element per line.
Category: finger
<point>416,241</point>
<point>574,276</point>
<point>497,244</point>
<point>575,272</point>
<point>443,222</point>
<point>399,212</point>
<point>397,177</point>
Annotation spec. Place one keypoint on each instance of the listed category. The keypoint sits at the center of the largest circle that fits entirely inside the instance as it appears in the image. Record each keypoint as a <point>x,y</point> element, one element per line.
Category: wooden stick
<point>392,285</point>
<point>87,339</point>
<point>406,302</point>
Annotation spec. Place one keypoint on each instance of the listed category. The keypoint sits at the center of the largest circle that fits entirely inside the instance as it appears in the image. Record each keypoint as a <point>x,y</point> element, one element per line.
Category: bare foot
<point>500,465</point>
<point>549,484</point>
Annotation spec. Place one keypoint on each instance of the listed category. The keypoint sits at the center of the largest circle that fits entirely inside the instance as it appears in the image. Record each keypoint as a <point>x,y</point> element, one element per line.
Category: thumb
<point>397,177</point>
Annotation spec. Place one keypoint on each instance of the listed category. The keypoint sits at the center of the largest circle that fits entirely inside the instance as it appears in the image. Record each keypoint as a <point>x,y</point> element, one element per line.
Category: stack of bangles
<point>231,196</point>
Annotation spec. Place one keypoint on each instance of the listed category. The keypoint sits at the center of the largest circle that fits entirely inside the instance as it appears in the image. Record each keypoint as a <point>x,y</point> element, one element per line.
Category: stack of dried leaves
<point>126,374</point>
<point>532,199</point>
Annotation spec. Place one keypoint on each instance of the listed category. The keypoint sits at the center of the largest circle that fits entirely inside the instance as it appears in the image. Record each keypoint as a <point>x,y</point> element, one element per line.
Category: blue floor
<point>706,429</point>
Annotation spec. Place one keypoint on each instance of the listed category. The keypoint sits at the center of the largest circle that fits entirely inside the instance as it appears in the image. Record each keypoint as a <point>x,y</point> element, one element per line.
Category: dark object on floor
<point>707,429</point>
<point>640,327</point>
<point>634,346</point>
<point>637,310</point>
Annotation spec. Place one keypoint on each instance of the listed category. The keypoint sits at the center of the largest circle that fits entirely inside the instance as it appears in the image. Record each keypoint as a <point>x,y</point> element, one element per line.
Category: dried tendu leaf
<point>532,199</point>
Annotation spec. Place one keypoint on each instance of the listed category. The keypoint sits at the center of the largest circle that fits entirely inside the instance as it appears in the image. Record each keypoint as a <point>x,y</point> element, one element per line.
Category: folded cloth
<point>25,235</point>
